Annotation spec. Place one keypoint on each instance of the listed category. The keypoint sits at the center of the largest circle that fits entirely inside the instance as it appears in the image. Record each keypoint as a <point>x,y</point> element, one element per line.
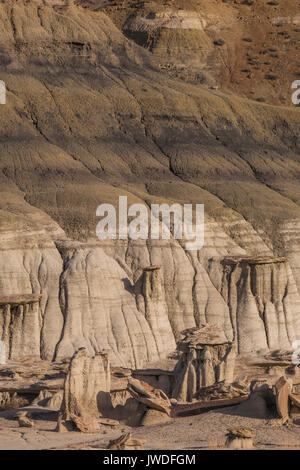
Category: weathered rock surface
<point>152,398</point>
<point>31,328</point>
<point>20,326</point>
<point>52,400</point>
<point>32,382</point>
<point>96,304</point>
<point>221,391</point>
<point>87,424</point>
<point>295,399</point>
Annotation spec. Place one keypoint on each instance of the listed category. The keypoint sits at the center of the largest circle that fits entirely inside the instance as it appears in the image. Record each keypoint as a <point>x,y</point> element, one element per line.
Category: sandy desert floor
<point>198,432</point>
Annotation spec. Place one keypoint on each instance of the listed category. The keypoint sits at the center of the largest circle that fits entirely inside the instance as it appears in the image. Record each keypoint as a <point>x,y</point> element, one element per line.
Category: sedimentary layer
<point>89,117</point>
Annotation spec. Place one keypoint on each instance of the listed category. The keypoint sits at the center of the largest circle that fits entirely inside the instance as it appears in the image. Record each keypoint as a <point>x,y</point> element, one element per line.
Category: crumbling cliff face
<point>30,315</point>
<point>138,310</point>
<point>90,116</point>
<point>91,301</point>
<point>100,311</point>
<point>20,326</point>
<point>263,302</point>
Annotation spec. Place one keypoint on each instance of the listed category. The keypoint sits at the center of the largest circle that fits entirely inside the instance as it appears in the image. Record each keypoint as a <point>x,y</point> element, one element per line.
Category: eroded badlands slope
<point>248,47</point>
<point>89,117</point>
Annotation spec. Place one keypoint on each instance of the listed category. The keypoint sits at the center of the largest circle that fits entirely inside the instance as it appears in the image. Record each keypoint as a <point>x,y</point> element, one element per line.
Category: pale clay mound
<point>89,116</point>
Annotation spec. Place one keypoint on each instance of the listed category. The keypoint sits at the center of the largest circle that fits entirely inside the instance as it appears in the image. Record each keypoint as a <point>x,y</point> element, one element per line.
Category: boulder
<point>240,439</point>
<point>126,442</point>
<point>260,400</point>
<point>24,420</point>
<point>86,424</point>
<point>150,397</point>
<point>153,417</point>
<point>139,388</point>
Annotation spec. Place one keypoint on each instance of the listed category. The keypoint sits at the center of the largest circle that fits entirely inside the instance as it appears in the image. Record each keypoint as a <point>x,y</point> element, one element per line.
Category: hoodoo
<point>207,358</point>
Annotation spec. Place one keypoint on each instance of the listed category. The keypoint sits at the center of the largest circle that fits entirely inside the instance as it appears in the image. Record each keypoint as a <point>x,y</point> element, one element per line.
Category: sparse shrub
<point>285,34</point>
<point>247,39</point>
<point>219,42</point>
<point>274,3</point>
<point>271,76</point>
